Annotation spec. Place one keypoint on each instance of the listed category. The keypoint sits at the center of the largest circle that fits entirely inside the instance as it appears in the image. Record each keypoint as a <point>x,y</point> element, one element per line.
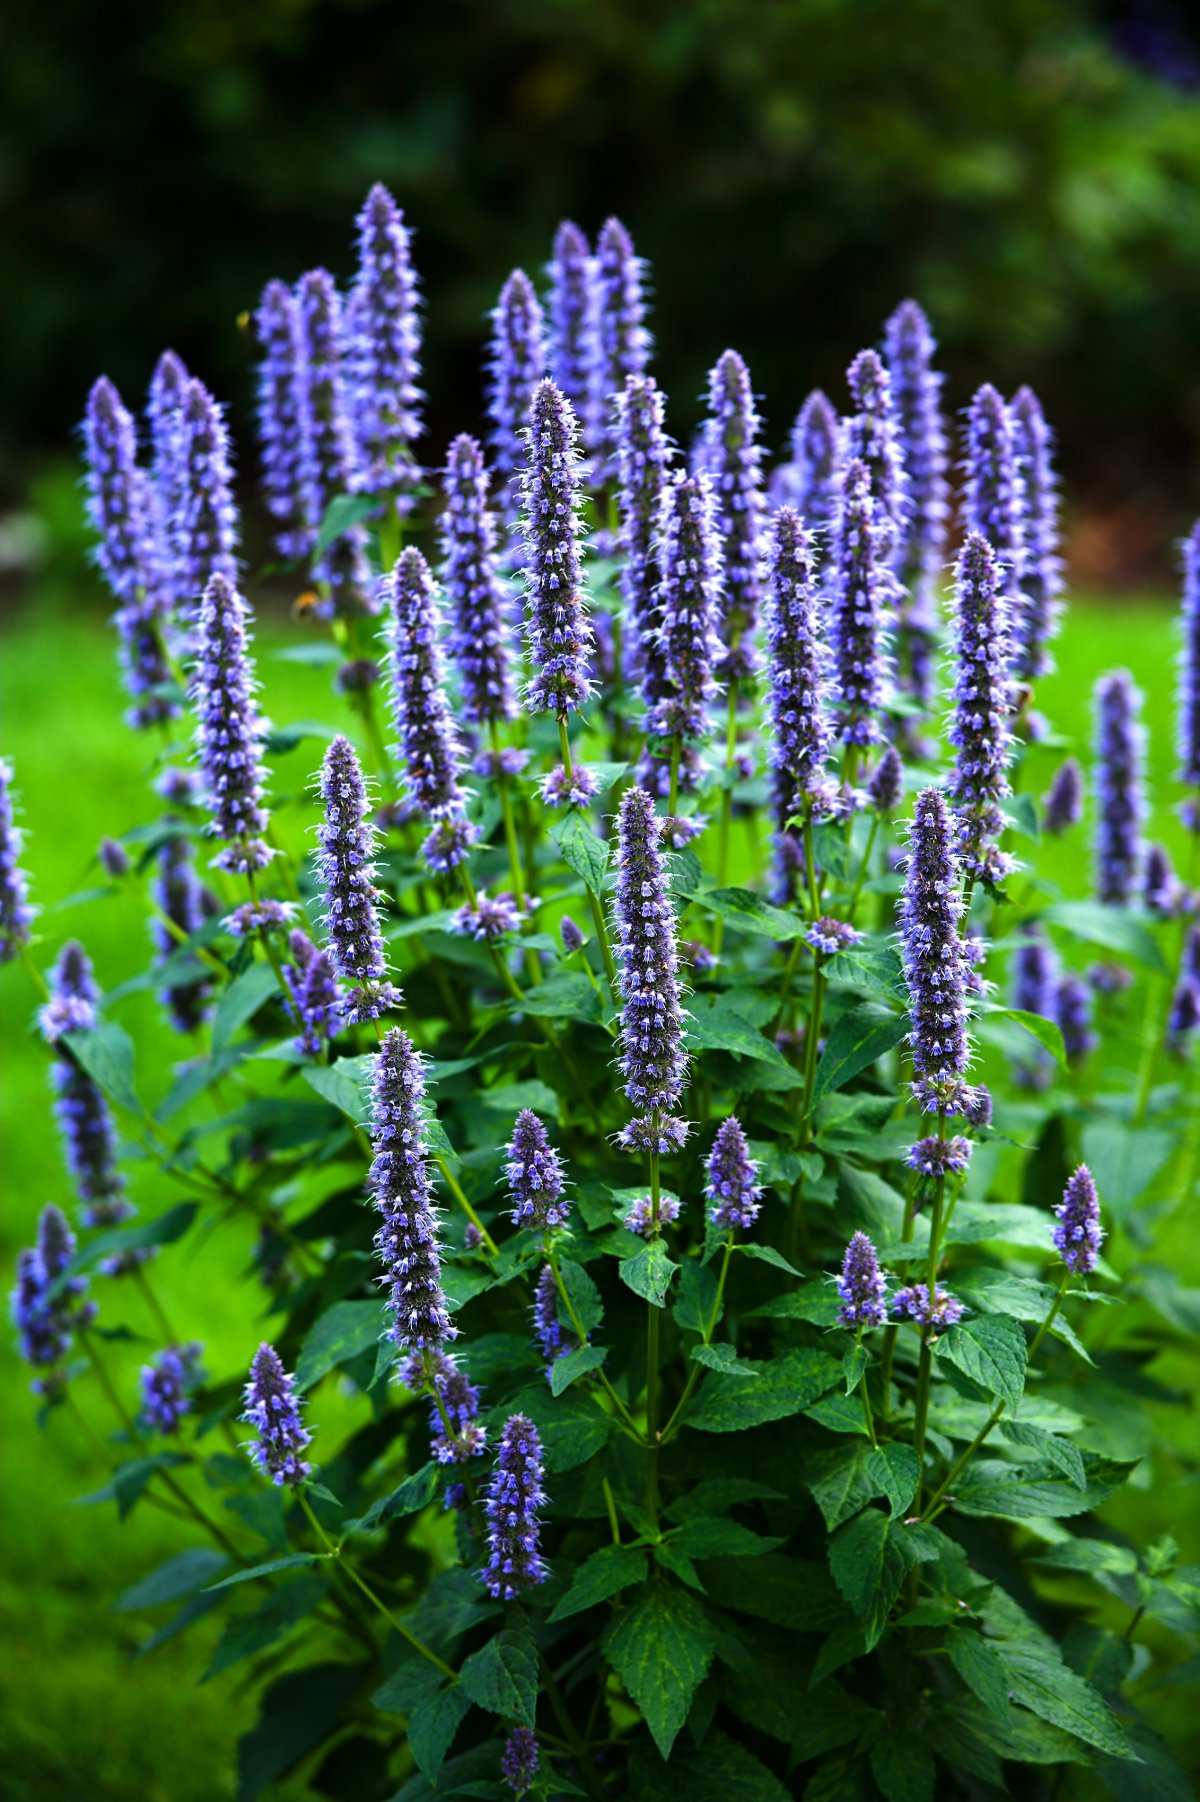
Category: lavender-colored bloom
<point>870,437</point>
<point>514,1495</point>
<point>862,594</point>
<point>509,760</point>
<point>1109,979</point>
<point>407,1240</point>
<point>1062,805</point>
<point>1073,1012</point>
<point>229,728</point>
<point>979,726</point>
<point>572,938</point>
<point>164,412</point>
<point>934,963</point>
<point>653,1060</point>
<point>640,1218</point>
<point>315,1000</point>
<point>118,499</point>
<point>1160,889</point>
<point>429,740</point>
<point>563,787</point>
<point>733,1189</point>
<point>662,1133</point>
<point>937,1157</point>
<point>1188,702</point>
<point>273,1410</point>
<point>205,527</point>
<point>993,492</point>
<point>916,396</point>
<point>165,1399</point>
<point>732,457</point>
<point>535,1176</point>
<point>797,693</point>
<point>1118,783</point>
<point>84,1117</point>
<point>520,1760</point>
<point>702,957</point>
<point>261,916</point>
<point>828,936</point>
<point>1191,954</point>
<point>47,1306</point>
<point>480,612</point>
<point>488,918</point>
<point>181,897</point>
<point>113,858</point>
<point>16,915</point>
<point>1184,1015</point>
<point>516,365</point>
<point>455,1431</point>
<point>553,1337</point>
<point>328,455</point>
<point>1035,979</point>
<point>885,788</point>
<point>281,382</point>
<point>912,1303</point>
<point>975,1105</point>
<point>383,349</point>
<point>557,632</point>
<point>179,787</point>
<point>643,456</point>
<point>809,483</point>
<point>688,602</point>
<point>347,842</point>
<point>861,1287</point>
<point>1079,1235</point>
<point>678,831</point>
<point>622,343</point>
<point>1041,572</point>
<point>572,315</point>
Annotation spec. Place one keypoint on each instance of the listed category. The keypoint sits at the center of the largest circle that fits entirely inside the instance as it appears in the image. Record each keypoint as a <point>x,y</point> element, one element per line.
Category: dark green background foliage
<point>791,169</point>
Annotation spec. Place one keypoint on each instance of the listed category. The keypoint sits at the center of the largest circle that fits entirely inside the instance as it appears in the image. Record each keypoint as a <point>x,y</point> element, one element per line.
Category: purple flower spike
<point>557,631</point>
<point>870,437</point>
<point>1041,565</point>
<point>1079,1235</point>
<point>347,843</point>
<point>535,1176</point>
<point>113,858</point>
<point>886,786</point>
<point>16,915</point>
<point>516,364</point>
<point>939,1158</point>
<point>732,457</point>
<point>554,1339</point>
<point>1188,703</point>
<point>165,1399</point>
<point>916,394</point>
<point>118,499</point>
<point>1062,806</point>
<point>572,939</point>
<point>934,961</point>
<point>913,1304</point>
<point>520,1760</point>
<point>384,347</point>
<point>733,1189</point>
<point>643,456</point>
<point>1073,1012</point>
<point>184,900</point>
<point>1035,979</point>
<point>514,1495</point>
<point>861,1287</point>
<point>1118,782</point>
<point>563,787</point>
<point>829,936</point>
<point>489,918</point>
<point>640,1218</point>
<point>84,1117</point>
<point>315,1001</point>
<point>164,416</point>
<point>407,1240</point>
<point>205,528</point>
<point>456,1402</point>
<point>622,343</point>
<point>809,483</point>
<point>1160,889</point>
<point>980,727</point>
<point>229,729</point>
<point>689,601</point>
<point>328,455</point>
<point>1184,1015</point>
<point>862,594</point>
<point>572,315</point>
<point>47,1309</point>
<point>479,602</point>
<point>653,1060</point>
<point>993,494</point>
<point>280,392</point>
<point>429,740</point>
<point>273,1410</point>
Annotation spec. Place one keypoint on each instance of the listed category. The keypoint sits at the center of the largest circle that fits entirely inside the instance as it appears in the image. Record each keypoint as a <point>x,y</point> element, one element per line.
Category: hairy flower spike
<point>516,364</point>
<point>520,1760</point>
<point>554,1339</point>
<point>993,493</point>
<point>383,350</point>
<point>939,1158</point>
<point>429,740</point>
<point>870,437</point>
<point>229,728</point>
<point>184,900</point>
<point>1118,782</point>
<point>732,457</point>
<point>885,789</point>
<point>980,728</point>
<point>688,603</point>
<point>1079,1235</point>
<point>622,342</point>
<point>1073,1012</point>
<point>861,1287</point>
<point>479,641</point>
<point>934,962</point>
<point>862,594</point>
<point>1035,978</point>
<point>455,1431</point>
<point>829,936</point>
<point>47,1306</point>
<point>164,416</point>
<point>118,500</point>
<point>407,1240</point>
<point>643,457</point>
<point>1041,573</point>
<point>514,1495</point>
<point>16,915</point>
<point>1188,702</point>
<point>205,528</point>
<point>1160,889</point>
<point>809,482</point>
<point>347,843</point>
<point>921,549</point>
<point>653,1061</point>
<point>84,1117</point>
<point>1062,806</point>
<point>797,694</point>
<point>165,1398</point>
<point>281,387</point>
<point>557,631</point>
<point>535,1176</point>
<point>273,1410</point>
<point>315,1001</point>
<point>733,1189</point>
<point>328,454</point>
<point>488,918</point>
<point>913,1304</point>
<point>572,315</point>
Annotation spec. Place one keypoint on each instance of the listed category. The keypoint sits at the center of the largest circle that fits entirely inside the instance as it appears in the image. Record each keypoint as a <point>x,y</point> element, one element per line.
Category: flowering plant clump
<point>682,1369</point>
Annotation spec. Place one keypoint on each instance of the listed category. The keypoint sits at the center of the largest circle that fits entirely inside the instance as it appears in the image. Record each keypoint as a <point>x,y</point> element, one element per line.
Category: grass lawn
<point>77,1717</point>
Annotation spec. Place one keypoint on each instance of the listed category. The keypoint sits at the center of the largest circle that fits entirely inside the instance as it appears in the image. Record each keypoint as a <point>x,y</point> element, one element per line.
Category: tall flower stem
<point>459,1194</point>
<point>864,1396</point>
<point>672,1426</point>
<point>578,1329</point>
<point>731,725</point>
<point>1158,1011</point>
<point>510,824</point>
<point>652,1351</point>
<point>597,912</point>
<point>925,1368</point>
<point>863,868</point>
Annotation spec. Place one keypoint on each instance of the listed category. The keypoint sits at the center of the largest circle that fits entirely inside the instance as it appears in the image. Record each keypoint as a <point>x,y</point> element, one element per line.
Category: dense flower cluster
<point>1118,785</point>
<point>733,1190</point>
<point>862,591</point>
<point>870,437</point>
<point>554,1339</point>
<point>1062,806</point>
<point>328,455</point>
<point>1079,1235</point>
<point>688,601</point>
<point>993,494</point>
<point>1041,564</point>
<point>861,1287</point>
<point>407,1239</point>
<point>557,631</point>
<point>204,525</point>
<point>979,728</point>
<point>456,1433</point>
<point>912,1303</point>
<point>732,457</point>
<point>924,457</point>
<point>517,363</point>
<point>514,1495</point>
<point>347,842</point>
<point>520,1760</point>
<point>653,1061</point>
<point>797,675</point>
<point>535,1176</point>
<point>277,328</point>
<point>479,638</point>
<point>313,994</point>
<point>383,347</point>
<point>16,914</point>
<point>429,741</point>
<point>273,1410</point>
<point>643,458</point>
<point>84,1117</point>
<point>229,729</point>
<point>929,936</point>
<point>49,1307</point>
<point>808,482</point>
<point>622,342</point>
<point>1188,701</point>
<point>571,316</point>
<point>165,1398</point>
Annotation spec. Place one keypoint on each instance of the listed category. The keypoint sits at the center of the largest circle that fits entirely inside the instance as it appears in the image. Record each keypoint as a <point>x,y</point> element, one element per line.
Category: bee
<point>305,605</point>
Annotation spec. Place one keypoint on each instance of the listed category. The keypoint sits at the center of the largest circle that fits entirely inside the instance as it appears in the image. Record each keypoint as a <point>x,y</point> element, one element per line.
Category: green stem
<point>925,1367</point>
<point>652,1348</point>
<point>456,1189</point>
<point>611,1506</point>
<point>580,1333</point>
<point>863,868</point>
<point>868,1416</point>
<point>731,724</point>
<point>510,824</point>
<point>672,1426</point>
<point>610,967</point>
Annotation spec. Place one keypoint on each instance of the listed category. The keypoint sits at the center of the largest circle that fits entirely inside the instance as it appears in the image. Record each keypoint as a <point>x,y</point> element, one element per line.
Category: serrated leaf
<point>568,995</point>
<point>1112,927</point>
<point>661,1649</point>
<point>502,1676</point>
<point>1059,1452</point>
<point>584,1295</point>
<point>709,1538</point>
<point>979,1664</point>
<point>342,1332</point>
<point>766,1254</point>
<point>854,1363</point>
<point>750,913</point>
<point>869,1559</point>
<point>179,1576</point>
<point>721,1028</point>
<point>648,1272</point>
<point>895,1471</point>
<point>246,1635</point>
<point>342,1084</point>
<point>860,1037</point>
<point>416,1492</point>
<point>723,1358</point>
<point>572,1428</point>
<point>697,1292</point>
<point>902,1767</point>
<point>838,1482</point>
<point>1047,1032</point>
<point>788,1592</point>
<point>432,1725</point>
<point>991,1351</point>
<point>1125,1159</point>
<point>581,850</point>
<point>785,1386</point>
<point>240,999</point>
<point>604,1574</point>
<point>106,1053</point>
<point>574,1364</point>
<point>272,1567</point>
<point>1013,1493</point>
<point>1051,1690</point>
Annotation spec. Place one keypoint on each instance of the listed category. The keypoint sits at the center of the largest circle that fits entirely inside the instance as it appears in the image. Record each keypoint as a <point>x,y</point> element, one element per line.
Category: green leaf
<point>284,1609</point>
<point>719,1770</point>
<point>697,1293</point>
<point>661,1649</point>
<point>832,1718</point>
<point>416,1492</point>
<point>240,999</point>
<point>604,1574</point>
<point>1112,927</point>
<point>1059,1452</point>
<point>1050,1689</point>
<point>297,1712</point>
<point>584,1295</point>
<point>106,1053</point>
<point>902,1767</point>
<point>894,1470</point>
<point>341,1333</point>
<point>178,1577</point>
<point>165,1229</point>
<point>566,1370</point>
<point>503,1676</point>
<point>750,913</point>
<point>648,1272</point>
<point>581,850</point>
<point>1125,1159</point>
<point>344,512</point>
<point>293,1561</point>
<point>1091,1555</point>
<point>989,1350</point>
<point>978,1662</point>
<point>1013,1493</point>
<point>766,1254</point>
<point>724,1358</point>
<point>838,1482</point>
<point>568,995</point>
<point>785,1386</point>
<point>1046,1032</point>
<point>870,1559</point>
<point>854,1363</point>
<point>572,1428</point>
<point>709,1538</point>
<point>343,1084</point>
<point>720,1028</point>
<point>789,1592</point>
<point>432,1725</point>
<point>860,1037</point>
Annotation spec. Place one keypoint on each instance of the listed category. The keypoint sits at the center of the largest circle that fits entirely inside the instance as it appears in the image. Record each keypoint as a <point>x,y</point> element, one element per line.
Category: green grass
<point>77,1717</point>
